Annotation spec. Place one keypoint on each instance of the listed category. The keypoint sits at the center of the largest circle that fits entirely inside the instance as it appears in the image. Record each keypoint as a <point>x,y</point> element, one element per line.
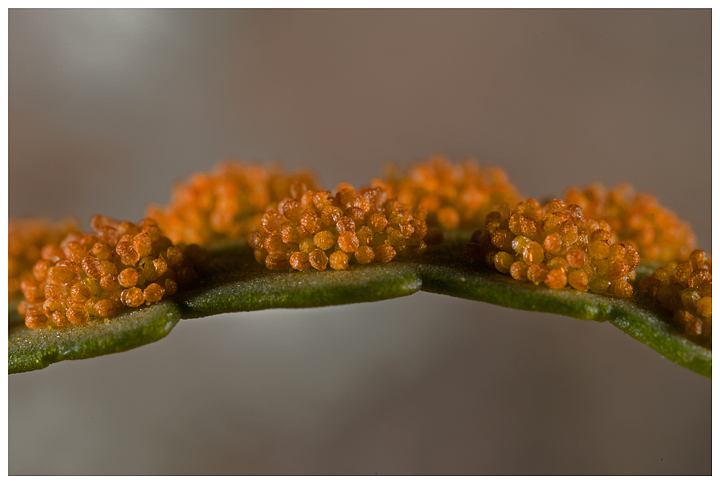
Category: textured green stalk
<point>33,349</point>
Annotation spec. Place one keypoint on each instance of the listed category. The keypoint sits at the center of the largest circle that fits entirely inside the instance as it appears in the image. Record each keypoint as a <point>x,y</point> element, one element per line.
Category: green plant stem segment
<point>234,282</point>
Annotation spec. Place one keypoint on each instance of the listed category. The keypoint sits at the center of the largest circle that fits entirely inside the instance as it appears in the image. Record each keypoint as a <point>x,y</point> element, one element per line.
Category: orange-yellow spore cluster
<point>227,203</point>
<point>26,240</point>
<point>121,265</point>
<point>318,229</point>
<point>658,233</point>
<point>455,195</point>
<point>685,290</point>
<point>556,245</point>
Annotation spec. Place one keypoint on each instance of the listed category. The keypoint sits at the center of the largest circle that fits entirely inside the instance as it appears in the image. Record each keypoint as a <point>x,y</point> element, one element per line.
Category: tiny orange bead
<point>310,223</point>
<point>576,258</point>
<point>578,279</point>
<point>128,277</point>
<point>306,245</point>
<point>276,262</point>
<point>704,307</point>
<point>365,255</point>
<point>339,260</point>
<point>256,240</point>
<point>153,293</point>
<point>503,261</point>
<point>503,240</point>
<point>385,253</point>
<point>80,292</point>
<point>143,244</point>
<point>556,279</point>
<point>330,215</point>
<point>518,270</point>
<point>171,287</point>
<point>290,233</point>
<point>105,308</point>
<point>292,210</point>
<point>324,240</point>
<point>533,253</point>
<point>60,275</point>
<point>274,244</point>
<point>299,261</point>
<point>92,267</point>
<point>621,289</point>
<point>377,222</point>
<point>348,242</point>
<point>132,297</point>
<point>537,273</point>
<point>318,259</point>
<point>272,222</point>
<point>345,224</point>
<point>35,320</point>
<point>77,315</point>
<point>109,282</point>
<point>174,257</point>
<point>599,285</point>
<point>599,249</point>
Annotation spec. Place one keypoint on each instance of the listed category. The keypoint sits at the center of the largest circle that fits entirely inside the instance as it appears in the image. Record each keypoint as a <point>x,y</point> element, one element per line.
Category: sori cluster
<point>592,240</point>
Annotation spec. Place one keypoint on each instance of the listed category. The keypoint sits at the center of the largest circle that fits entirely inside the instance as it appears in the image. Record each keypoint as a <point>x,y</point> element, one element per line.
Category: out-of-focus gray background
<point>108,108</point>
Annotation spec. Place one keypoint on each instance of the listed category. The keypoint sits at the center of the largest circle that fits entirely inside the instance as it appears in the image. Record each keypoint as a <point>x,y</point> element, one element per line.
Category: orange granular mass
<point>27,238</point>
<point>229,202</point>
<point>688,299</point>
<point>87,275</point>
<point>361,225</point>
<point>454,195</point>
<point>556,245</point>
<point>656,231</point>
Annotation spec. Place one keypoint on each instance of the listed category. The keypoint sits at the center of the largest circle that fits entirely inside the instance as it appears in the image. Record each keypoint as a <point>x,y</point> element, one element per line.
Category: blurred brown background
<point>108,108</point>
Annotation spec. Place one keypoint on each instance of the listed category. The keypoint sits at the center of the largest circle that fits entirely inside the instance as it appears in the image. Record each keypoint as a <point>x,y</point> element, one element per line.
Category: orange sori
<point>455,195</point>
<point>226,204</point>
<point>26,241</point>
<point>684,288</point>
<point>658,233</point>
<point>556,245</point>
<point>120,265</point>
<point>317,229</point>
